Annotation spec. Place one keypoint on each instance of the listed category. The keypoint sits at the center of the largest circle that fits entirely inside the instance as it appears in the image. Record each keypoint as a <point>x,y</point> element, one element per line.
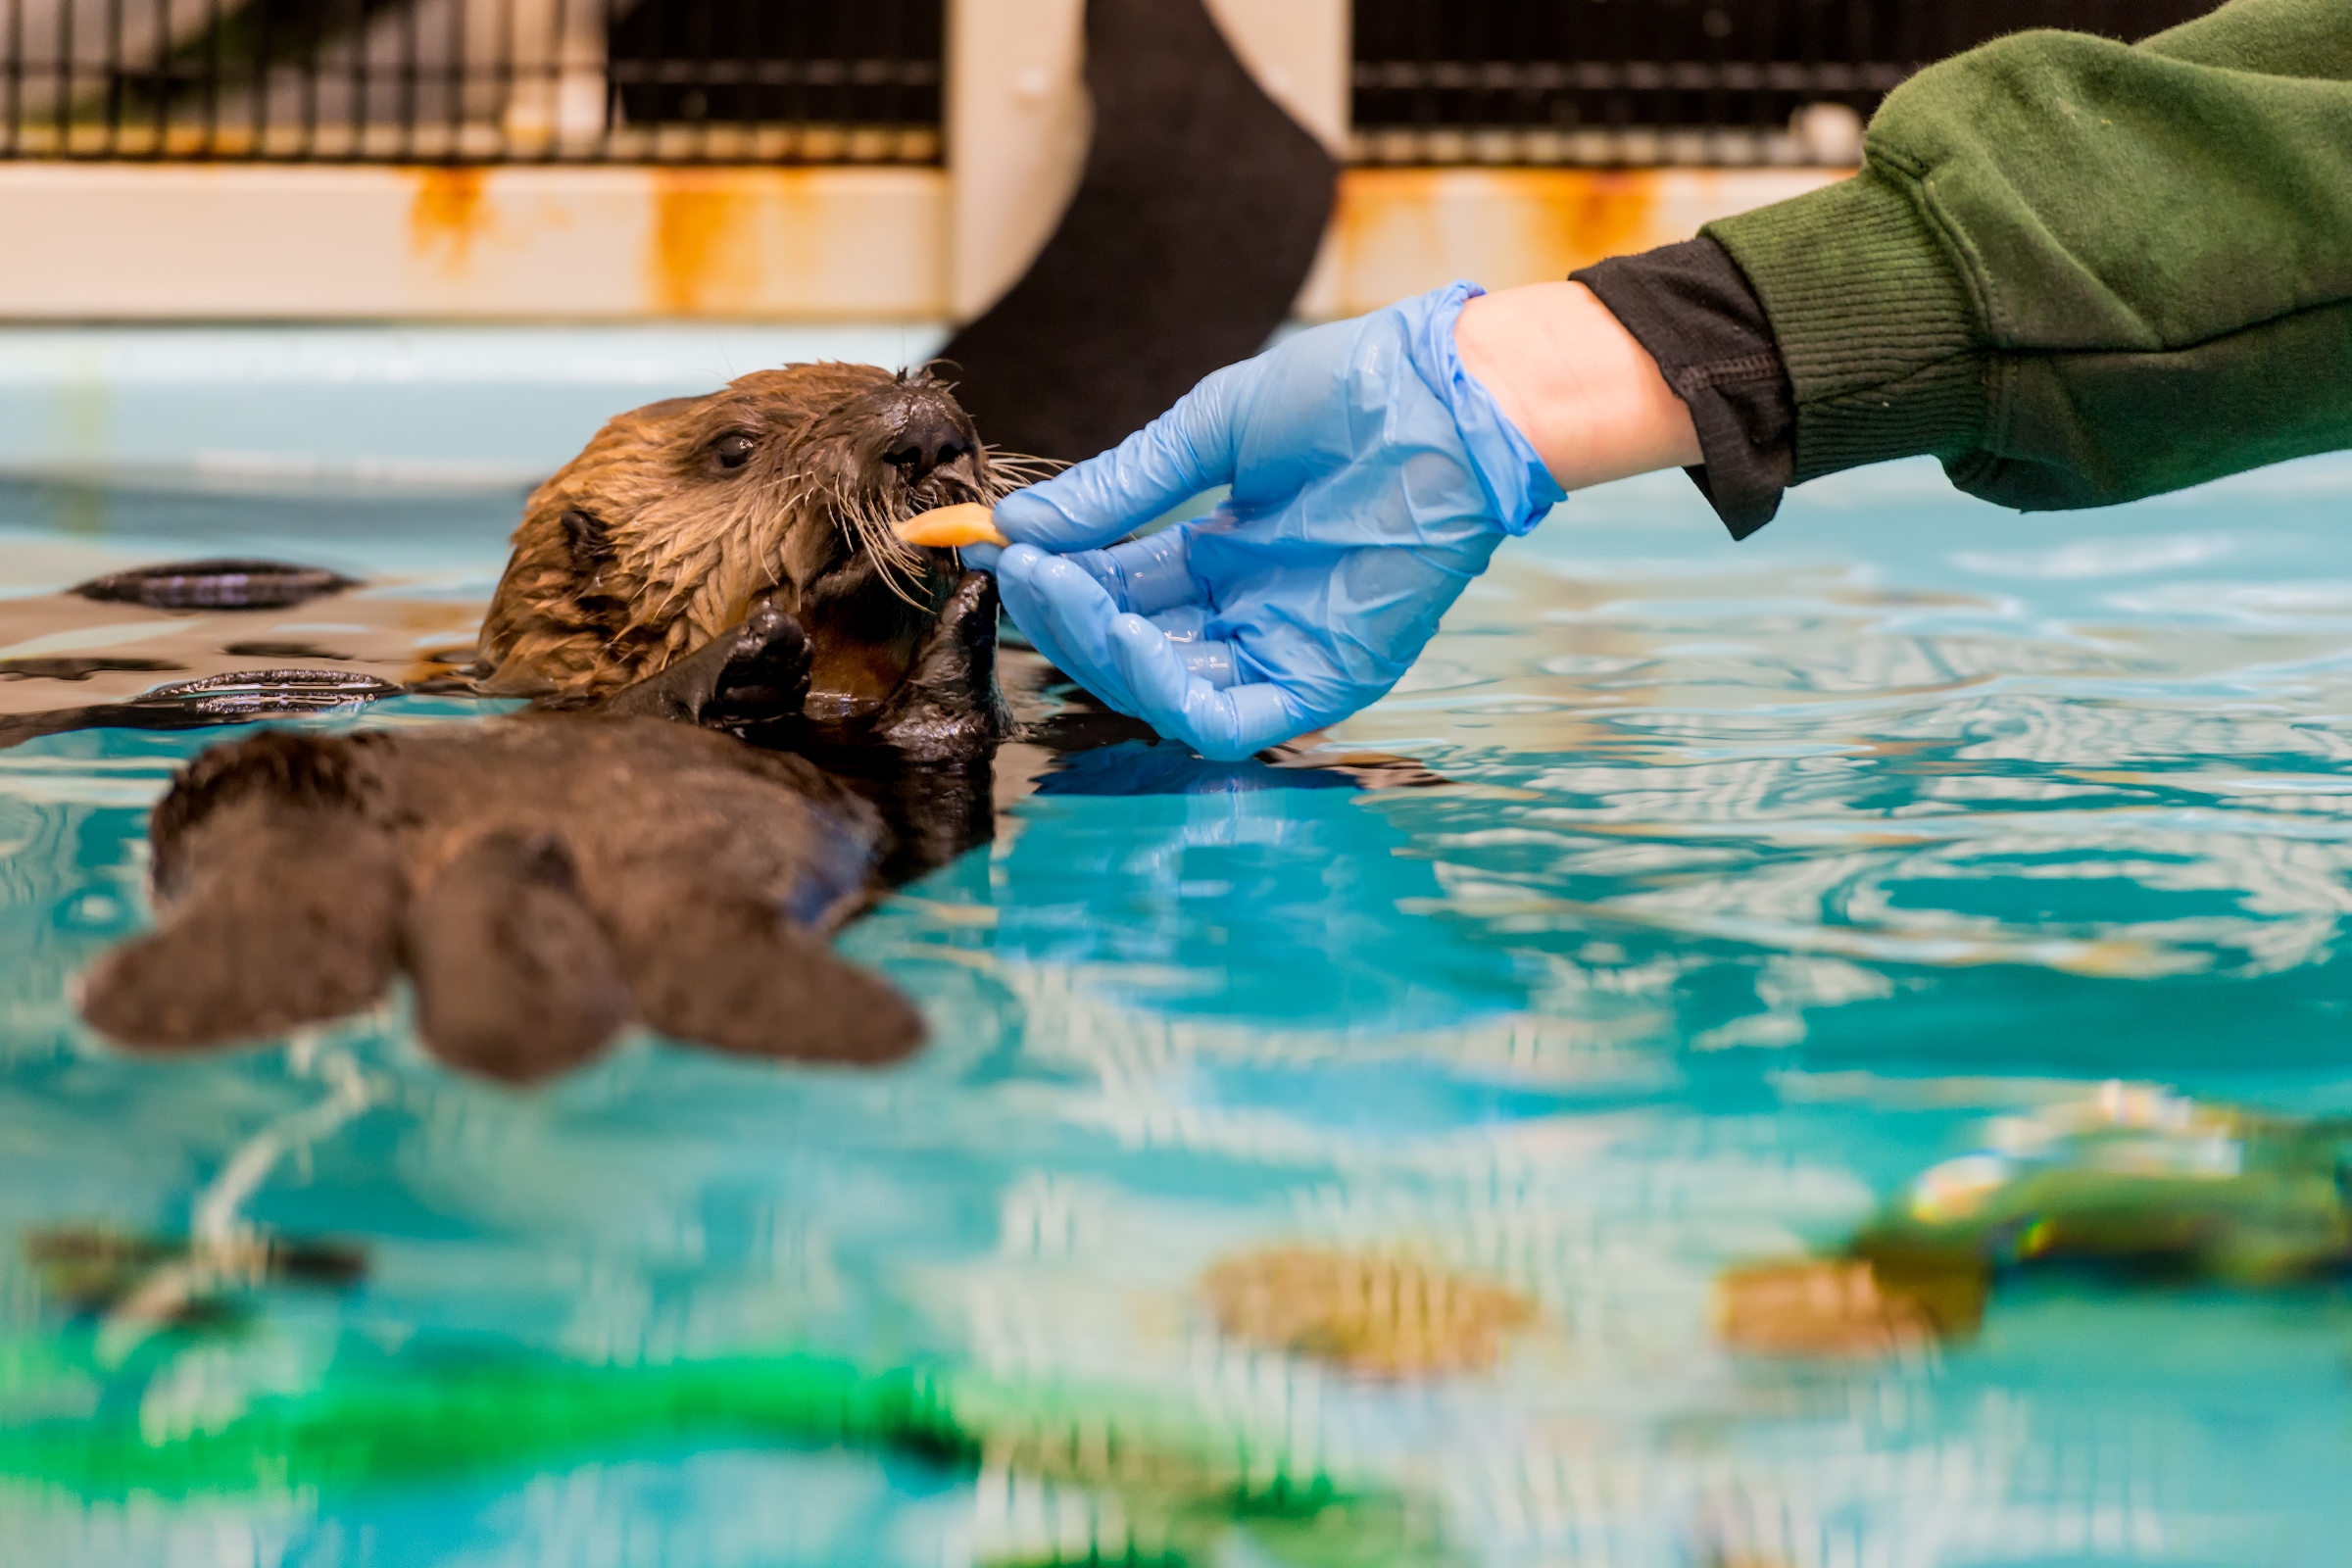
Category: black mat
<point>1194,226</point>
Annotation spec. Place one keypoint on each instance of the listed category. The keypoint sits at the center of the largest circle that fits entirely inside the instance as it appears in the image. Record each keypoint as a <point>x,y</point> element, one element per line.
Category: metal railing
<point>473,81</point>
<point>1435,81</point>
<point>1668,81</point>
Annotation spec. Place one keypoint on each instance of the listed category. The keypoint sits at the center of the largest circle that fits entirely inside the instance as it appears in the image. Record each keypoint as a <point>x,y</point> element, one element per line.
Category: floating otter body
<point>674,525</point>
<point>542,879</point>
<point>720,563</point>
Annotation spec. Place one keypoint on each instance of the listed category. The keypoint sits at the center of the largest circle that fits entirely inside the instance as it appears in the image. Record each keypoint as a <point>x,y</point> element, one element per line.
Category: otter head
<point>680,515</point>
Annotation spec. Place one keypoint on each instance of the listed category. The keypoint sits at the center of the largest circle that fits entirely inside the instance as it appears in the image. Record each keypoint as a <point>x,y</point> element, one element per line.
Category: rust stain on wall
<point>1508,226</point>
<point>1598,212</point>
<point>446,213</point>
<point>1399,232</point>
<point>704,254</point>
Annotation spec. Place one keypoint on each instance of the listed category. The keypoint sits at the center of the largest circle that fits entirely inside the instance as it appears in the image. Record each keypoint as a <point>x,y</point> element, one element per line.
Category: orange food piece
<point>952,527</point>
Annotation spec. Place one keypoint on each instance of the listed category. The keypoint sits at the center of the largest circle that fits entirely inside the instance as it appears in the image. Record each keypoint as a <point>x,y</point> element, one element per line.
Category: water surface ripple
<point>1765,877</point>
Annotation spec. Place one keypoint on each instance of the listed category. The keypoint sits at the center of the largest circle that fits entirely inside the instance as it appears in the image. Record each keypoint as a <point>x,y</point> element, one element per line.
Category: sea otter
<point>543,878</point>
<point>672,526</point>
<point>717,563</point>
<point>780,489</point>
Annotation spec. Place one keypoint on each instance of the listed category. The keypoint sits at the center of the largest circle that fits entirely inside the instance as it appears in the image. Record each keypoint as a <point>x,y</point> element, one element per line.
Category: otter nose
<point>930,440</point>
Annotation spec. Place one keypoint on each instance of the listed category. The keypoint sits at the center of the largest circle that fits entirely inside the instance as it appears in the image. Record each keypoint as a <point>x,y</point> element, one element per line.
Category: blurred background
<point>724,183</point>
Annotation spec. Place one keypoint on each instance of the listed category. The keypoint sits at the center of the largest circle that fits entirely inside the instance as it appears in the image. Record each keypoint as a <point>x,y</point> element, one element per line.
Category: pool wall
<point>432,406</point>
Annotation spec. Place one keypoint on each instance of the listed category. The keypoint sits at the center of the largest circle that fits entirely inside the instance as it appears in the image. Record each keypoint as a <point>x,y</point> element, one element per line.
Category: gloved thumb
<point>1223,726</point>
<point>1185,451</point>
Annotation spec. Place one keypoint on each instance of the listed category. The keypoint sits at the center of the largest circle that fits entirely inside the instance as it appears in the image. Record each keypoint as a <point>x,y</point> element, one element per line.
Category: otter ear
<point>585,536</point>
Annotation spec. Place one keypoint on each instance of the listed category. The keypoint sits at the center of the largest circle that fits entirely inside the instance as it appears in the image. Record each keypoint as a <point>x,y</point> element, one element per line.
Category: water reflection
<point>1762,882</point>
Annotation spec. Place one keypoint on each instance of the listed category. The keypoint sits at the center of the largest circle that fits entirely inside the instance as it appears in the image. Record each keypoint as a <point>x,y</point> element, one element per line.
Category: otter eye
<point>732,451</point>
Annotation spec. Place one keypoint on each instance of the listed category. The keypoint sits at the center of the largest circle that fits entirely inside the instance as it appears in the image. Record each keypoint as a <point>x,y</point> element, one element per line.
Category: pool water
<point>1763,879</point>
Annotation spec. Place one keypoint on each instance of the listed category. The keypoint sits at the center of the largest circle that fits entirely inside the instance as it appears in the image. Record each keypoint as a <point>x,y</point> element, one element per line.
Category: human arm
<point>2080,272</point>
<point>1371,476</point>
<point>2076,271</point>
<point>1374,467</point>
<point>1585,394</point>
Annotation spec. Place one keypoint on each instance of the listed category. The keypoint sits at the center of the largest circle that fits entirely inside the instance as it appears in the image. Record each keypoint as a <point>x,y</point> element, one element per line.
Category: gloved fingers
<point>1223,726</point>
<point>1028,608</point>
<point>1067,615</point>
<point>1148,575</point>
<point>1187,626</point>
<point>980,558</point>
<point>1185,451</point>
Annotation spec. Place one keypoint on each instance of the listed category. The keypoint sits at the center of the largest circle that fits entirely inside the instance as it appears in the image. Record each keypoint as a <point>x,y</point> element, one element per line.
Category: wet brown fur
<point>647,546</point>
<point>545,879</point>
<point>542,879</point>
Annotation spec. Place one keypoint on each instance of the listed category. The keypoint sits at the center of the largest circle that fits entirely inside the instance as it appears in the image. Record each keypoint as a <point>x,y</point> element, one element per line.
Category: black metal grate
<point>1435,81</point>
<point>473,81</point>
<point>1668,81</point>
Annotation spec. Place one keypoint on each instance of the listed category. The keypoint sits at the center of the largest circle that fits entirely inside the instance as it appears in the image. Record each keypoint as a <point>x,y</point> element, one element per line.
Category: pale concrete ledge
<point>197,241</point>
<point>141,242</point>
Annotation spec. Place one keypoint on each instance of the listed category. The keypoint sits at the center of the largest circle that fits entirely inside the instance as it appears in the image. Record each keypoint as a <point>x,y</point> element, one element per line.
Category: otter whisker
<point>897,562</point>
<point>703,507</point>
<point>853,515</point>
<point>1008,472</point>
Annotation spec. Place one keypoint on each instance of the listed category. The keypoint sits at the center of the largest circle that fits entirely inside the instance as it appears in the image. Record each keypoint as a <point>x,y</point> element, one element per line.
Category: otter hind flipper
<point>515,980</point>
<point>948,707</point>
<point>286,915</point>
<point>755,673</point>
<point>734,974</point>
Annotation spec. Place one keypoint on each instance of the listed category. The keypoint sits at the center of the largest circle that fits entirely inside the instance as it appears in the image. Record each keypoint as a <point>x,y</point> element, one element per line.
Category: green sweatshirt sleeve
<point>2080,272</point>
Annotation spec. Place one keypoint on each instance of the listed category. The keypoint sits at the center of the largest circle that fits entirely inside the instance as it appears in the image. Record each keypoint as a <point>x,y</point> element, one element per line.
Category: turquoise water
<point>1766,877</point>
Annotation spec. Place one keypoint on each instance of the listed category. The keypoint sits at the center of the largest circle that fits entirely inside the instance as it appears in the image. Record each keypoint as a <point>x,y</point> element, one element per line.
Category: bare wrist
<point>1585,393</point>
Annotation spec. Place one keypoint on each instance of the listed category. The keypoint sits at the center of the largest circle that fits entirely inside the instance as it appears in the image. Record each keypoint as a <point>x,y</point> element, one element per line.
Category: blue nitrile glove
<point>1372,478</point>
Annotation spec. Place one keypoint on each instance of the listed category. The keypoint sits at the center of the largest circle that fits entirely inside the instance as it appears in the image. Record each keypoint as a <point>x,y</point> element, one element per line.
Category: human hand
<point>1371,476</point>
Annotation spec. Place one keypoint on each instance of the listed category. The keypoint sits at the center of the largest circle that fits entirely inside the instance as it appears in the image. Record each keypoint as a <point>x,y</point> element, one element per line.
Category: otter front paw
<point>948,707</point>
<point>765,676</point>
<point>755,674</point>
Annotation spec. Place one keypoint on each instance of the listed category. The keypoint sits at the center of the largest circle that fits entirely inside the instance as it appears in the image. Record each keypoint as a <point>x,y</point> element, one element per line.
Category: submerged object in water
<point>227,583</point>
<point>199,1279</point>
<point>1155,1485</point>
<point>1391,1317</point>
<point>2135,1183</point>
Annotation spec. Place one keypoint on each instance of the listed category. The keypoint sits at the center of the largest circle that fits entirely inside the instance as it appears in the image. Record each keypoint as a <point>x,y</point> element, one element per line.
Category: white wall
<point>162,241</point>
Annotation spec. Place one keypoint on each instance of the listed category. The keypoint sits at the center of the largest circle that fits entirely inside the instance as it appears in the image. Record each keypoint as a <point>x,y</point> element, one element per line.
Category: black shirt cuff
<point>1690,307</point>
